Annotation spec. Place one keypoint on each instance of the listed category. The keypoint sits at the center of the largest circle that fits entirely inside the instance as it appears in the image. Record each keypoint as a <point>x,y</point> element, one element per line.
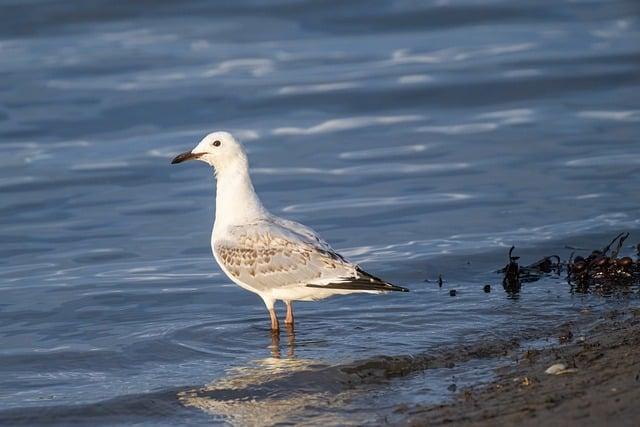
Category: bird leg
<point>289,319</point>
<point>275,326</point>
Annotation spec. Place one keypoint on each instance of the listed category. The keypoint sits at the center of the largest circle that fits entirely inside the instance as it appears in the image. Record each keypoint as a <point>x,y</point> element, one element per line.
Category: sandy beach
<point>600,384</point>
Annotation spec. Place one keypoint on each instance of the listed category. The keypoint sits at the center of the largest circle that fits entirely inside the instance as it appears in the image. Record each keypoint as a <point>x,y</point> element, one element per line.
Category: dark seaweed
<point>601,270</point>
<point>515,275</point>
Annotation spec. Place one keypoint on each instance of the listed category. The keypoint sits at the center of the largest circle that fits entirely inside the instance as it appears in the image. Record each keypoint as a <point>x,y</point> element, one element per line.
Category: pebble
<point>555,369</point>
<point>559,369</point>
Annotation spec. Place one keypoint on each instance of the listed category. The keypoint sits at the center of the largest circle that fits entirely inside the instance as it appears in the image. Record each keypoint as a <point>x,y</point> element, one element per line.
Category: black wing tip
<point>363,282</point>
<point>395,288</point>
<point>379,281</point>
<point>360,286</point>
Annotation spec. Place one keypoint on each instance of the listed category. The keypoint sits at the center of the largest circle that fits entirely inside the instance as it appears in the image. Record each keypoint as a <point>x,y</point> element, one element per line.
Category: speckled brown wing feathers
<point>265,255</point>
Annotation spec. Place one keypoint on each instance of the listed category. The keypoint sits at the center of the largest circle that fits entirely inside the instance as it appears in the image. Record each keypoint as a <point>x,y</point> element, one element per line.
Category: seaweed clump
<point>603,269</point>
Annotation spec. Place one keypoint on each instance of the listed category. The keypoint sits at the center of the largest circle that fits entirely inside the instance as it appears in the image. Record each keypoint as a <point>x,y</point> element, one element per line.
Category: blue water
<point>419,138</point>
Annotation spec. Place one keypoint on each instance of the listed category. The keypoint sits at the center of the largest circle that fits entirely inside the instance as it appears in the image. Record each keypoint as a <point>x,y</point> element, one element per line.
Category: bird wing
<point>305,232</point>
<point>273,253</point>
<point>267,254</point>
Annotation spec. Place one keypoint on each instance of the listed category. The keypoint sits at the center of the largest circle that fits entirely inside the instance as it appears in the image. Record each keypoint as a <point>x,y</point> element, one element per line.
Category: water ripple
<point>369,170</point>
<point>348,123</point>
<point>363,202</point>
<point>377,153</point>
<point>618,116</point>
<point>606,160</point>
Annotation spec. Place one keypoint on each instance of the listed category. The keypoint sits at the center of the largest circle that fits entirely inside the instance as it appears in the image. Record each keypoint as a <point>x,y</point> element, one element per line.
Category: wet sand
<point>602,386</point>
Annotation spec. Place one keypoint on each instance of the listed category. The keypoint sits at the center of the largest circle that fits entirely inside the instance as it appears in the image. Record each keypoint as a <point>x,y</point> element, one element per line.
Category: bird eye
<point>216,143</point>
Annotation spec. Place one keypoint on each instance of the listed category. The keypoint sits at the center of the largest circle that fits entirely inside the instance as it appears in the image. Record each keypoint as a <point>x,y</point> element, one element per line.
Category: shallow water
<point>419,139</point>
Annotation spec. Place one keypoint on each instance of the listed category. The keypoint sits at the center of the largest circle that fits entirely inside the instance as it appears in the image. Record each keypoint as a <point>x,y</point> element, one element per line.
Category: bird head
<point>218,149</point>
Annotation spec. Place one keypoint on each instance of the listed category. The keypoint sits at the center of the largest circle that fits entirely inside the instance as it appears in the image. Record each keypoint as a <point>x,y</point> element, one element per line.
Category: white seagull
<point>273,257</point>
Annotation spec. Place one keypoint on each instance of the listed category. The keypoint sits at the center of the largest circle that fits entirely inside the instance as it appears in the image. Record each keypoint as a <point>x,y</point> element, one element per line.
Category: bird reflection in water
<point>265,392</point>
<point>291,343</point>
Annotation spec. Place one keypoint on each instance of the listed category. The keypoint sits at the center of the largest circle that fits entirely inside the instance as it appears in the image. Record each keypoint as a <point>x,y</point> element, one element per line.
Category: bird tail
<point>362,282</point>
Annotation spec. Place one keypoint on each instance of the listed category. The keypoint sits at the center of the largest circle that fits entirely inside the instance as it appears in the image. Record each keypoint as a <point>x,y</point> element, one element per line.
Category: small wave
<point>510,117</point>
<point>490,122</point>
<point>613,115</point>
<point>460,129</point>
<point>384,152</point>
<point>43,145</point>
<point>257,67</point>
<point>349,123</point>
<point>369,170</point>
<point>100,166</point>
<point>414,79</point>
<point>10,181</point>
<point>317,88</point>
<point>136,37</point>
<point>523,72</point>
<point>587,196</point>
<point>611,160</point>
<point>438,198</point>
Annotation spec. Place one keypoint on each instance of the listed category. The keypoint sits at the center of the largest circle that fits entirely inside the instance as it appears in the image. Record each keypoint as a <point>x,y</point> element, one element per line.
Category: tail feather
<point>363,282</point>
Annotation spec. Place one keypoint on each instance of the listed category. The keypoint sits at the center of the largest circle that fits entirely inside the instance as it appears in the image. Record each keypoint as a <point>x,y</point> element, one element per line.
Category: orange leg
<point>289,319</point>
<point>275,325</point>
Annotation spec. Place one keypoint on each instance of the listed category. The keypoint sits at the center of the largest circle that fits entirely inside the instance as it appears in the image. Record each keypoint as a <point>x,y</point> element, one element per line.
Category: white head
<point>218,149</point>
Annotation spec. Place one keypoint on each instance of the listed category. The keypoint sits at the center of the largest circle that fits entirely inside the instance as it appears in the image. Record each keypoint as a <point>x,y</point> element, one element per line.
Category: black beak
<point>184,157</point>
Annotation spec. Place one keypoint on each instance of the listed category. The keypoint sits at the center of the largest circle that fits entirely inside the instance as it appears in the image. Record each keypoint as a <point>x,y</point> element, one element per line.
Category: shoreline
<point>600,384</point>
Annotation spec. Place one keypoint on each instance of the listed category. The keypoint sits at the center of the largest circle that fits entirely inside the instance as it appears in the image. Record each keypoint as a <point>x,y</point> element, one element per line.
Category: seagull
<point>276,258</point>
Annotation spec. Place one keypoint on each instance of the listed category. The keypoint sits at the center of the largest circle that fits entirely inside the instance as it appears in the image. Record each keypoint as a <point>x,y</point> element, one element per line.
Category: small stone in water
<point>452,293</point>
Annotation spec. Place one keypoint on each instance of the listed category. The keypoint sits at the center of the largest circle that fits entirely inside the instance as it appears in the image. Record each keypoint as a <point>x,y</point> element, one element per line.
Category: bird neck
<point>236,200</point>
